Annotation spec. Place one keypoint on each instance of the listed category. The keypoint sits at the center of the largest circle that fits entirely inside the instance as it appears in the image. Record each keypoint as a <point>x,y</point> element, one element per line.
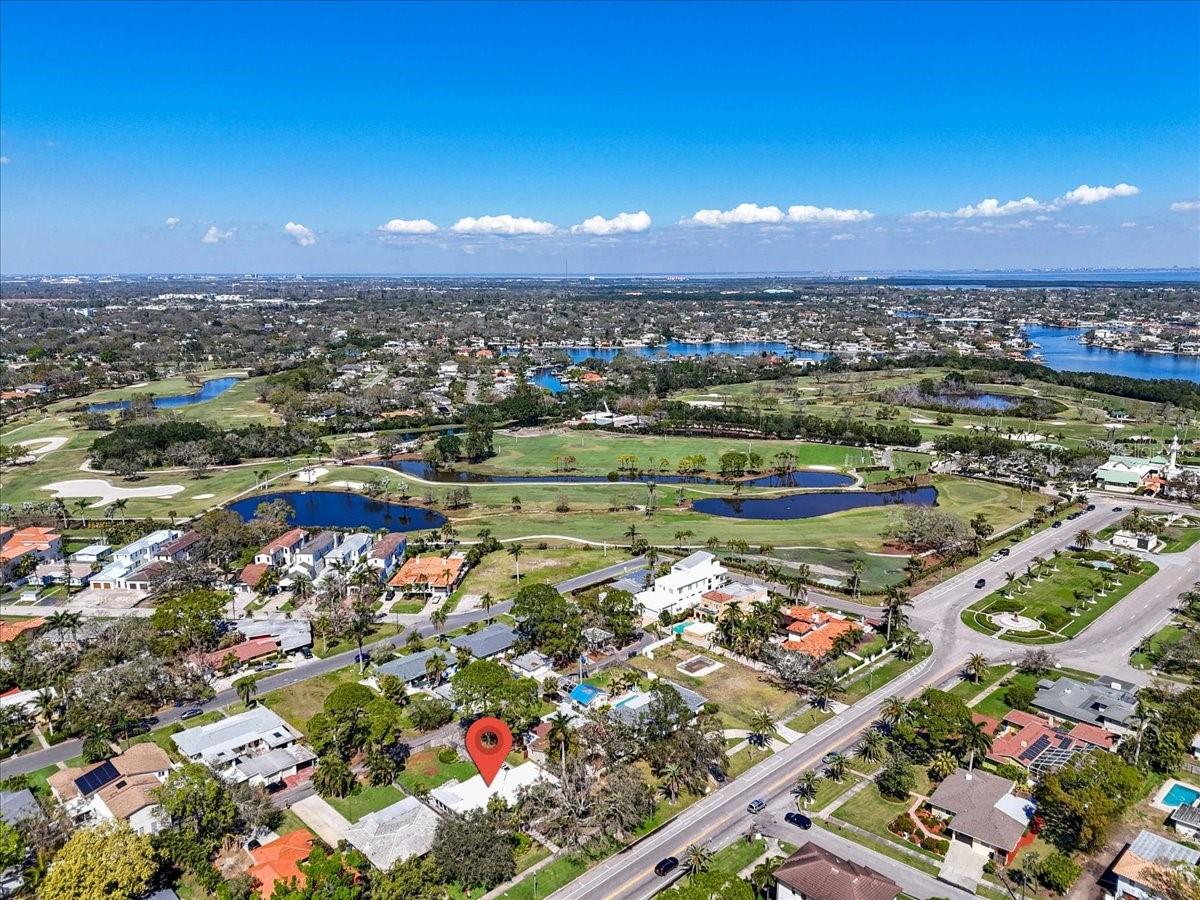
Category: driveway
<point>325,821</point>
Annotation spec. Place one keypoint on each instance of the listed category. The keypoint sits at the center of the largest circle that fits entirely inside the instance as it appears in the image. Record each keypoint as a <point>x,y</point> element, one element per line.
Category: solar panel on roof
<point>92,781</point>
<point>1035,748</point>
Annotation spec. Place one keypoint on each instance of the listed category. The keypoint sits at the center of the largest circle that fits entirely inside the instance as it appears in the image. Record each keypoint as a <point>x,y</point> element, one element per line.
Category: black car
<point>192,713</point>
<point>1091,507</point>
<point>1056,525</point>
<point>666,866</point>
<point>980,583</point>
<point>799,820</point>
<point>1004,551</point>
<point>1118,509</point>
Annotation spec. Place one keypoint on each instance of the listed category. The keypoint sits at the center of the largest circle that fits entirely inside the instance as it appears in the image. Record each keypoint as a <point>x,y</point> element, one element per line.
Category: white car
<point>995,557</point>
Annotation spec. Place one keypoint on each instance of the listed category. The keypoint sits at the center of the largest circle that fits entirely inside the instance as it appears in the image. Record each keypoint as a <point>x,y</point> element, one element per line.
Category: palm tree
<point>856,570</point>
<point>836,766</point>
<point>681,536</point>
<point>977,667</point>
<point>515,551</point>
<point>435,668</point>
<point>908,646</point>
<point>560,735</point>
<point>822,690</point>
<point>762,728</point>
<point>973,740</point>
<point>671,780</point>
<point>438,617</point>
<point>762,879</point>
<point>47,706</point>
<point>1084,538</point>
<point>872,746</point>
<point>487,602</point>
<point>805,788</point>
<point>59,623</point>
<point>895,710</point>
<point>697,858</point>
<point>631,532</point>
<point>942,765</point>
<point>247,690</point>
<point>1009,578</point>
<point>895,600</point>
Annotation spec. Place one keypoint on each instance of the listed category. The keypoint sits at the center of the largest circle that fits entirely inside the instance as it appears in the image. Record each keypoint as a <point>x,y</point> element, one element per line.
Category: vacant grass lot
<point>367,799</point>
<point>968,689</point>
<point>1053,599</point>
<point>1148,654</point>
<point>497,572</point>
<point>737,690</point>
<point>299,702</point>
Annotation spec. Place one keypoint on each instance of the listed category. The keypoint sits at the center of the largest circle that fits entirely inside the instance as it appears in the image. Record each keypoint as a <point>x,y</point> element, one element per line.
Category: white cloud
<point>618,224</point>
<point>742,214</point>
<point>215,235</point>
<point>407,226</point>
<point>1185,206</point>
<point>827,214</point>
<point>3,160</point>
<point>842,237</point>
<point>301,235</point>
<point>1086,195</point>
<point>171,221</point>
<point>1129,224</point>
<point>503,224</point>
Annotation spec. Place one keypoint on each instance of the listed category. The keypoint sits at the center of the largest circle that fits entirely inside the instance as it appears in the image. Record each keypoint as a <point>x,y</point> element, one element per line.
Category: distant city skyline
<point>619,138</point>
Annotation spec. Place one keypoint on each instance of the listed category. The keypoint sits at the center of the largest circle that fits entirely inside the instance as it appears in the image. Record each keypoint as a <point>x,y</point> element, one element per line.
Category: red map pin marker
<point>488,742</point>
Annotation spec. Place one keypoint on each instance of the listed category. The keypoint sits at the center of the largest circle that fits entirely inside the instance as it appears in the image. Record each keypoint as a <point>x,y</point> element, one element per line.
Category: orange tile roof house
<point>246,651</point>
<point>279,861</point>
<point>813,631</point>
<point>433,576</point>
<point>45,544</point>
<point>10,631</point>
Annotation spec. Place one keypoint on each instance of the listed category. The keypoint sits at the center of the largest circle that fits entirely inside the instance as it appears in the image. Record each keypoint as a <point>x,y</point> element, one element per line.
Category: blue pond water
<point>976,401</point>
<point>803,479</point>
<point>208,391</point>
<point>1060,349</point>
<point>807,506</point>
<point>545,378</point>
<point>335,509</point>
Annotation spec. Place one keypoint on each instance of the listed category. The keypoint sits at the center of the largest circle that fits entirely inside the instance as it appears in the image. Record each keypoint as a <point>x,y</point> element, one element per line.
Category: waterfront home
<point>281,552</point>
<point>386,553</point>
<point>433,577</point>
<point>310,556</point>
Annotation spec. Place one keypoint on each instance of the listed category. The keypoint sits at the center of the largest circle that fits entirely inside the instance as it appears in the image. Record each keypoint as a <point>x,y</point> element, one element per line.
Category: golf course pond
<point>804,478</point>
<point>811,505</point>
<point>208,391</point>
<point>339,509</point>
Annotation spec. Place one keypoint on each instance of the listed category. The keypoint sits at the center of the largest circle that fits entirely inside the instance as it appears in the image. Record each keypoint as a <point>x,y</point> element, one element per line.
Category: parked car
<point>1004,551</point>
<point>799,820</point>
<point>996,557</point>
<point>666,866</point>
<point>1118,509</point>
<point>192,713</point>
<point>363,657</point>
<point>1091,507</point>
<point>754,807</point>
<point>828,758</point>
<point>1056,525</point>
<point>980,583</point>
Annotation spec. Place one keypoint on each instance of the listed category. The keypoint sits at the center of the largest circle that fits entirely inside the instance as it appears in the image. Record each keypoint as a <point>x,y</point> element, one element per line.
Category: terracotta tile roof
<point>11,630</point>
<point>432,570</point>
<point>817,874</point>
<point>1094,735</point>
<point>27,540</point>
<point>252,574</point>
<point>819,640</point>
<point>280,860</point>
<point>285,541</point>
<point>255,648</point>
<point>990,725</point>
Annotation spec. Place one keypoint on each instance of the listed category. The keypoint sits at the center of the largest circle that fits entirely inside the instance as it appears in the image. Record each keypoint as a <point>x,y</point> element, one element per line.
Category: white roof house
<point>681,588</point>
<point>395,833</point>
<point>229,741</point>
<point>464,796</point>
<point>145,547</point>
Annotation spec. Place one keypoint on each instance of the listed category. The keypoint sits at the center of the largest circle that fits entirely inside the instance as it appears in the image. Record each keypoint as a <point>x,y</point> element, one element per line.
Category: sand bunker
<point>349,485</point>
<point>107,492</point>
<point>310,476</point>
<point>42,446</point>
<point>203,496</point>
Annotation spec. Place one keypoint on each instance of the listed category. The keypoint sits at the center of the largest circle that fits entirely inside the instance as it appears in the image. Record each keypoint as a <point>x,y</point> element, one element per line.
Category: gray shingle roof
<point>496,638</point>
<point>1096,703</point>
<point>410,668</point>
<point>17,805</point>
<point>980,803</point>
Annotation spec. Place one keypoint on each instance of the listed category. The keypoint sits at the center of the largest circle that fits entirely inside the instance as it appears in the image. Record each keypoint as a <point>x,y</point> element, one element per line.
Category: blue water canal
<point>808,506</point>
<point>800,479</point>
<point>208,391</point>
<point>1060,349</point>
<point>336,509</point>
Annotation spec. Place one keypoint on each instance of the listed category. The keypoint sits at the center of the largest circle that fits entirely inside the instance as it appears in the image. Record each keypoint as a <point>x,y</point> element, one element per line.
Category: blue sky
<point>176,137</point>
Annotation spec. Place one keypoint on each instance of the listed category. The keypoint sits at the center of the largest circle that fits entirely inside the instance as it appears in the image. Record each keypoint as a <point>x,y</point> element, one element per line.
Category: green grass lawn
<point>871,811</point>
<point>299,702</point>
<point>1148,653</point>
<point>496,574</point>
<point>737,856</point>
<point>368,799</point>
<point>1177,540</point>
<point>423,771</point>
<point>871,680</point>
<point>1052,599</point>
<point>995,705</point>
<point>737,690</point>
<point>809,719</point>
<point>746,758</point>
<point>288,823</point>
<point>829,790</point>
<point>968,689</point>
<point>547,880</point>
<point>38,783</point>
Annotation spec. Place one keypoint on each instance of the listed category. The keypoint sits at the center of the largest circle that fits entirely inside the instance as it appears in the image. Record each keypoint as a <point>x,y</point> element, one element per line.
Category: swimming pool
<point>681,627</point>
<point>1180,795</point>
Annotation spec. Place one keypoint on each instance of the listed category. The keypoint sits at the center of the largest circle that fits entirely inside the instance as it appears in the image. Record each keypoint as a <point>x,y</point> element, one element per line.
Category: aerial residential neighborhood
<point>599,451</point>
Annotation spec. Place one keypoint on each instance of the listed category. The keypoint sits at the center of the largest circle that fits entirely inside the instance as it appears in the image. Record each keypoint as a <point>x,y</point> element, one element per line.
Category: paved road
<point>616,570</point>
<point>721,818</point>
<point>38,759</point>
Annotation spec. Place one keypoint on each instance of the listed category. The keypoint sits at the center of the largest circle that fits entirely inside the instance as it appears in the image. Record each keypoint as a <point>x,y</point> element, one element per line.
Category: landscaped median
<point>1056,599</point>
